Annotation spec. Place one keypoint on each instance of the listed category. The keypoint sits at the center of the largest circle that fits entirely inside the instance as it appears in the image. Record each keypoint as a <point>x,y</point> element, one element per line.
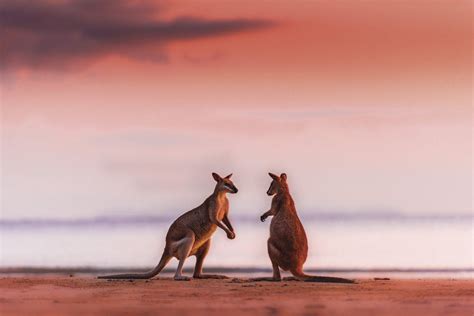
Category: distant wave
<point>138,220</point>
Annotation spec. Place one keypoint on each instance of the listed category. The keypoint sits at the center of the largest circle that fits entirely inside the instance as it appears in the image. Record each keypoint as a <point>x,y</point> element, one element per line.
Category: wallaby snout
<point>232,189</point>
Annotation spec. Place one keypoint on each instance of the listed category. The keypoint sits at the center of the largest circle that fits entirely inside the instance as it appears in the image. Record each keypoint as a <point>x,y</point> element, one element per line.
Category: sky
<point>119,108</point>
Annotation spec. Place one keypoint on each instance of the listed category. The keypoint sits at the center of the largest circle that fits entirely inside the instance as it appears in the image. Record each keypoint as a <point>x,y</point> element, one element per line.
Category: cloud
<point>64,33</point>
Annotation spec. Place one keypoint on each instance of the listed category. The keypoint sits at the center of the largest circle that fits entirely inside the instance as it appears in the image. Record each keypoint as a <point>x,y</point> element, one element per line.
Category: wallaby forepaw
<point>262,218</point>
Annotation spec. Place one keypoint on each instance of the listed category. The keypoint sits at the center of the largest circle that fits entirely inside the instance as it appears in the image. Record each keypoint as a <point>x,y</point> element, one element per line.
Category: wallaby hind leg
<point>274,254</point>
<point>200,255</point>
<point>182,249</point>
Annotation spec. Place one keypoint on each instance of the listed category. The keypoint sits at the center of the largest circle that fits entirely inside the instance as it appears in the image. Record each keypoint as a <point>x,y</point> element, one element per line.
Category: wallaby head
<point>278,184</point>
<point>224,184</point>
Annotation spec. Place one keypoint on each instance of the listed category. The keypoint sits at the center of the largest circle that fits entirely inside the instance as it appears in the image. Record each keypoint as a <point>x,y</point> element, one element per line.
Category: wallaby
<point>288,245</point>
<point>190,234</point>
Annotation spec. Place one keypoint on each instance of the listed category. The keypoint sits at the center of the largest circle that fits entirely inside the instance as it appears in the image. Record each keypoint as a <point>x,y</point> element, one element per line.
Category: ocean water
<point>362,244</point>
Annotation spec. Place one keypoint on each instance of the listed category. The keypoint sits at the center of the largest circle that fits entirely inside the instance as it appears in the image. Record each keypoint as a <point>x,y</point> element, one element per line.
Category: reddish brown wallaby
<point>288,245</point>
<point>190,234</point>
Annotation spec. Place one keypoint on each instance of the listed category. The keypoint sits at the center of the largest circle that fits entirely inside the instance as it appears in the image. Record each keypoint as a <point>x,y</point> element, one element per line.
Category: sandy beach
<point>62,295</point>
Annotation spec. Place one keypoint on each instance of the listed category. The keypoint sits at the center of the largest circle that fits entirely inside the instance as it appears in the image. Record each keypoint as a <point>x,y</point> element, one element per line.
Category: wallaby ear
<point>283,176</point>
<point>274,176</point>
<point>228,176</point>
<point>216,177</point>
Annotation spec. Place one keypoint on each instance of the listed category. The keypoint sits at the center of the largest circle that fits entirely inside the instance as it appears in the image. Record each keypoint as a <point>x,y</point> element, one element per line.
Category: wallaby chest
<point>221,206</point>
<point>285,220</point>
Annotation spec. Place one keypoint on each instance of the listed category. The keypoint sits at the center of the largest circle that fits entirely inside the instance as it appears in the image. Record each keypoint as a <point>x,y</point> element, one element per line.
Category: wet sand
<point>61,295</point>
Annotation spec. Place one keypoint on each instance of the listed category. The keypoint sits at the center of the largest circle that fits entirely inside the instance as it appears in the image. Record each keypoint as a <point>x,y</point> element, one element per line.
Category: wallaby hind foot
<point>182,278</point>
<point>291,278</point>
<point>299,275</point>
<point>321,279</point>
<point>210,276</point>
<point>265,279</point>
<point>325,279</point>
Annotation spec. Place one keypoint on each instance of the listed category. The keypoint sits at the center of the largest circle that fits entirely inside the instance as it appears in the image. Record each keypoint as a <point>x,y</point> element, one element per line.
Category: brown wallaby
<point>288,245</point>
<point>190,234</point>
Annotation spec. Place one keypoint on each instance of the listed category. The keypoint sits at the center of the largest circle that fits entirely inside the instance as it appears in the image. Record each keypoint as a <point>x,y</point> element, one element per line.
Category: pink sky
<point>366,106</point>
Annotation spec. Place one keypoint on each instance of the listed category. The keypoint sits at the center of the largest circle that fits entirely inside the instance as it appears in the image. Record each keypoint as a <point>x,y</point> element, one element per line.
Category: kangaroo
<point>190,234</point>
<point>288,245</point>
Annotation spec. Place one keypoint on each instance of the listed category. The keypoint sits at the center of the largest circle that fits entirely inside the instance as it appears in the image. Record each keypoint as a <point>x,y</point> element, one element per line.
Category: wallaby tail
<point>165,258</point>
<point>315,278</point>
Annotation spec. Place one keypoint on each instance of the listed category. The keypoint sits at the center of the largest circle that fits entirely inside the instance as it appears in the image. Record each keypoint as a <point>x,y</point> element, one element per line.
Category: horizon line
<point>155,219</point>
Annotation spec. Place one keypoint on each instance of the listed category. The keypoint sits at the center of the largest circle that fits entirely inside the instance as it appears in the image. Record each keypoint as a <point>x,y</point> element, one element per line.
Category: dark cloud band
<point>45,33</point>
